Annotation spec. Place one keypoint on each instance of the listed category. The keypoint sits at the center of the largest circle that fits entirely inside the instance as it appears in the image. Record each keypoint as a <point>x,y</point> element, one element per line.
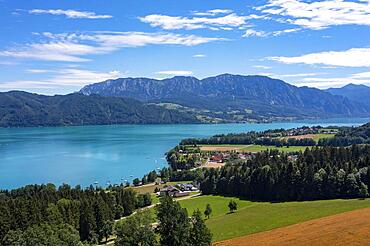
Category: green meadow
<point>253,217</point>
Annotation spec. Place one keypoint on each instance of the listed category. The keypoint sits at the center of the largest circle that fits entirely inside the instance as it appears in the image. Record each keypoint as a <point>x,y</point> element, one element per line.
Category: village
<point>231,148</point>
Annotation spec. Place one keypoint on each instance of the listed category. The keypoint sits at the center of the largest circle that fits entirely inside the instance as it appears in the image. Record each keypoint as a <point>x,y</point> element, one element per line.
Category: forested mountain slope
<point>18,109</point>
<point>233,97</point>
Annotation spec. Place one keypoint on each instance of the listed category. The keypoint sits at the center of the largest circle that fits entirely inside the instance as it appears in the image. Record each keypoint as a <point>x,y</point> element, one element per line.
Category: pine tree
<point>200,235</point>
<point>174,224</point>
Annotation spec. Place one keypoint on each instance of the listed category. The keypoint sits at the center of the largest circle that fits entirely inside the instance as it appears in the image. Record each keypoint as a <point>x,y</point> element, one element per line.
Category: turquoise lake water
<point>83,155</point>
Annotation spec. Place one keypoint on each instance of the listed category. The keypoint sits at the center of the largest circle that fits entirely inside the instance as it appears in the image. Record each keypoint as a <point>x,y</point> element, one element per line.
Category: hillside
<point>21,109</point>
<point>232,97</point>
<point>356,93</point>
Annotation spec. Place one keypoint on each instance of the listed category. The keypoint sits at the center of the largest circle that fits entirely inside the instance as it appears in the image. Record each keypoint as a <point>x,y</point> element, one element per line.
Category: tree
<point>200,235</point>
<point>174,224</point>
<point>136,230</point>
<point>136,181</point>
<point>44,234</point>
<point>87,223</point>
<point>208,211</point>
<point>118,212</point>
<point>107,229</point>
<point>129,201</point>
<point>233,206</point>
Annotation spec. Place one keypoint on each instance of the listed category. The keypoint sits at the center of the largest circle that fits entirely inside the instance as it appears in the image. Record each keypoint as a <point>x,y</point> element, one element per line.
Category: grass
<point>258,148</point>
<point>253,217</point>
<point>322,135</point>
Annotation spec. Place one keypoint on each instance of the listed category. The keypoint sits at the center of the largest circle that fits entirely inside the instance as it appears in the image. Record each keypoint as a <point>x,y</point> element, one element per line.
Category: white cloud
<point>137,39</point>
<point>300,75</point>
<point>319,14</point>
<point>36,71</point>
<point>53,51</point>
<point>253,33</point>
<point>166,22</point>
<point>261,67</point>
<point>175,72</point>
<point>212,12</point>
<point>63,77</point>
<point>361,75</point>
<point>72,14</point>
<point>285,31</point>
<point>72,47</point>
<point>324,83</point>
<point>355,57</point>
<point>199,56</point>
<point>267,74</point>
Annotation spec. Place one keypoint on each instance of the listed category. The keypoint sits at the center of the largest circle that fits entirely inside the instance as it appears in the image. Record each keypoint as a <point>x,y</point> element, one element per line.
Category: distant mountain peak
<point>355,92</point>
<point>355,86</point>
<point>236,97</point>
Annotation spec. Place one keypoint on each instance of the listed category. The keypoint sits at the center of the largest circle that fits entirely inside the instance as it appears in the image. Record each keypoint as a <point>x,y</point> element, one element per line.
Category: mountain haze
<point>233,97</point>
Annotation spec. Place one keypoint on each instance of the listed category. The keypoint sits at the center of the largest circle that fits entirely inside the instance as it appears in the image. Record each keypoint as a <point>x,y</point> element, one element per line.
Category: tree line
<point>349,136</point>
<point>318,173</point>
<point>275,137</point>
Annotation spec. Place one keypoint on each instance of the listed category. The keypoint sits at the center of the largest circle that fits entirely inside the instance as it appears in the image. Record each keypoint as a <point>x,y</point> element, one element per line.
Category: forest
<point>46,215</point>
<point>318,173</point>
<point>348,136</point>
<point>23,109</point>
<point>69,214</point>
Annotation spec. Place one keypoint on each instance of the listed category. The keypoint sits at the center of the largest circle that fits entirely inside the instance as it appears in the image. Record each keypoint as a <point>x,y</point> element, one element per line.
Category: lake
<point>85,154</point>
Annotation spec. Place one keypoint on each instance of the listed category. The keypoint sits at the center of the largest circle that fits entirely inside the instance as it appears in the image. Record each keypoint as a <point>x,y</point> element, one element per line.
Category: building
<point>217,158</point>
<point>187,187</point>
<point>173,191</point>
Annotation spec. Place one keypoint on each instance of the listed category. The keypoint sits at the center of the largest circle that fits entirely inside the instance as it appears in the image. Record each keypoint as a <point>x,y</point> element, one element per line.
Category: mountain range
<point>22,109</point>
<point>356,93</point>
<point>223,98</point>
<point>233,98</point>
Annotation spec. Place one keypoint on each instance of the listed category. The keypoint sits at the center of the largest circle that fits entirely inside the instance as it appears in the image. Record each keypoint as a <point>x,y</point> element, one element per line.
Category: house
<point>217,158</point>
<point>173,191</point>
<point>187,187</point>
<point>292,157</point>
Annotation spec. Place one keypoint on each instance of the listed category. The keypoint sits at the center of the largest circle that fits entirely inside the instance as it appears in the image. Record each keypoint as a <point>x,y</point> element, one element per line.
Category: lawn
<point>252,217</point>
<point>258,148</point>
<point>318,136</point>
<point>249,148</point>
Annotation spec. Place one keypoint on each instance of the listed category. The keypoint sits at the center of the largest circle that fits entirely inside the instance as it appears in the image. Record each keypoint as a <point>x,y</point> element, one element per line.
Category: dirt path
<point>350,228</point>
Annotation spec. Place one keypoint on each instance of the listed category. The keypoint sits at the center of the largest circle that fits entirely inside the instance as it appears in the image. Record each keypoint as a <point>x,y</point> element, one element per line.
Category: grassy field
<point>316,137</point>
<point>252,217</point>
<point>258,148</point>
<point>250,148</point>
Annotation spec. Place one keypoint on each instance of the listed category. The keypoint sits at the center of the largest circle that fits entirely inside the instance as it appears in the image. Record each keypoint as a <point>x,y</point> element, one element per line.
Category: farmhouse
<point>217,158</point>
<point>187,187</point>
<point>173,191</point>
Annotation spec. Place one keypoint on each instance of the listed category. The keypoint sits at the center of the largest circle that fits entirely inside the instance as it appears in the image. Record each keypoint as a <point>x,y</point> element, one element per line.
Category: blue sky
<point>56,47</point>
